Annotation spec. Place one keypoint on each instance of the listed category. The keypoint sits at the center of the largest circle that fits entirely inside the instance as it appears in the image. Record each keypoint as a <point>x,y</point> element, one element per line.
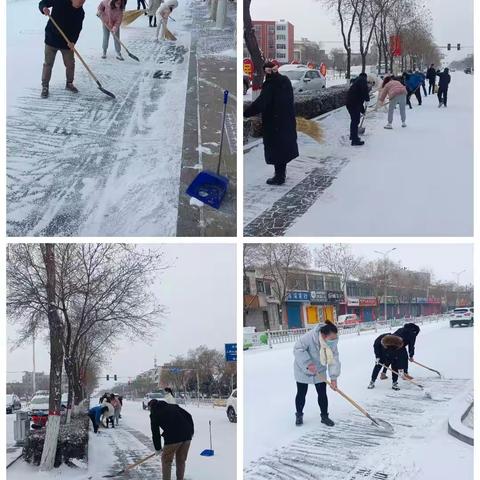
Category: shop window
<point>268,288</point>
<point>266,320</point>
<point>260,286</point>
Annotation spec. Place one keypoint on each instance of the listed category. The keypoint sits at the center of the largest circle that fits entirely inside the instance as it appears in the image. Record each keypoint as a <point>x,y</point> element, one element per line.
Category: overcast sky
<point>199,291</point>
<point>452,21</point>
<point>441,260</point>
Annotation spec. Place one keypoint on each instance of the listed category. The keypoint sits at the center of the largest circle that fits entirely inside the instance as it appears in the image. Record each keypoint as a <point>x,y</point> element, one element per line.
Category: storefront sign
<point>419,300</point>
<point>335,297</point>
<point>318,297</point>
<point>390,300</point>
<point>353,302</point>
<point>298,297</point>
<point>248,67</point>
<point>434,300</point>
<point>368,302</point>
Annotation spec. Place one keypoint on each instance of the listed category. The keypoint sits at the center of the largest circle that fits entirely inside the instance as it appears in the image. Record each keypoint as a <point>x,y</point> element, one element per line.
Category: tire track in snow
<point>348,450</point>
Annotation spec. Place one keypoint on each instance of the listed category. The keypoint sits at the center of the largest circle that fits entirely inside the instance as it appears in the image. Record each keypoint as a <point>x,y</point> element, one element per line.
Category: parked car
<point>462,316</point>
<point>468,71</point>
<point>348,320</point>
<point>232,407</point>
<point>39,407</point>
<point>151,396</point>
<point>13,403</point>
<point>304,80</point>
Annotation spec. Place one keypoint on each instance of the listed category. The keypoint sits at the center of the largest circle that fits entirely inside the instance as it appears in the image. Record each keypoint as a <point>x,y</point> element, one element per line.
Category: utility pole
<point>457,274</point>
<point>198,388</point>
<point>385,259</point>
<point>34,374</point>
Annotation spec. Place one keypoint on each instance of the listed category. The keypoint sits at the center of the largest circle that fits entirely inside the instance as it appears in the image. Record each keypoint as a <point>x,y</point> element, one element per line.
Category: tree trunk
<point>349,64</point>
<point>56,362</point>
<point>252,47</point>
<point>221,14</point>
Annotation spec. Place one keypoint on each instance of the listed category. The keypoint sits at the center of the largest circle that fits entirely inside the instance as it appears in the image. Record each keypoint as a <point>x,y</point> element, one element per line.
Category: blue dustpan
<point>210,187</point>
<point>209,452</point>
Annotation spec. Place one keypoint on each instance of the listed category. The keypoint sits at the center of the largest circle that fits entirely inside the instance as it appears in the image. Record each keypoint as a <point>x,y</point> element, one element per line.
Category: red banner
<point>323,69</point>
<point>396,46</point>
<point>248,67</point>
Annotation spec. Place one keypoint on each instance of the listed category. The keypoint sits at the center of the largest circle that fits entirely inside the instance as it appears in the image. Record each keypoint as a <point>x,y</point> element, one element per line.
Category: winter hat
<point>411,327</point>
<point>392,342</point>
<point>271,65</point>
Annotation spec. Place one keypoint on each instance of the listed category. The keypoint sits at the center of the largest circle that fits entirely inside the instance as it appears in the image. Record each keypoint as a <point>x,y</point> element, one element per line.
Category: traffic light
<point>108,378</point>
<point>449,46</point>
<point>458,47</point>
<point>115,377</point>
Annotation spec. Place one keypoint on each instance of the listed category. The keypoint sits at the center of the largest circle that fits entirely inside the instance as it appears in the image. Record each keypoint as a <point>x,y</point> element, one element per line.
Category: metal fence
<point>270,338</point>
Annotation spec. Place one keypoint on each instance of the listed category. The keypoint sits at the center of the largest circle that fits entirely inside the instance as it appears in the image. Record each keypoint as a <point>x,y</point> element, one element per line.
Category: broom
<point>130,16</point>
<point>169,35</point>
<point>310,128</point>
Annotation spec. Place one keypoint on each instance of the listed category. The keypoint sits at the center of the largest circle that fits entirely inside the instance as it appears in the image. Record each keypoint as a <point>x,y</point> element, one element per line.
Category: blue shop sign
<point>298,297</point>
<point>230,352</point>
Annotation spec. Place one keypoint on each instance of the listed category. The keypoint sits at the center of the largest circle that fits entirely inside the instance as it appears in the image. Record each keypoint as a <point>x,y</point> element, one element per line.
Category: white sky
<point>200,293</point>
<point>441,259</point>
<point>452,21</point>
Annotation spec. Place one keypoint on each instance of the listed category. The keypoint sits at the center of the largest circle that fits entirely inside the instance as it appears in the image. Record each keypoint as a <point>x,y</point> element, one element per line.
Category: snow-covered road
<point>112,449</point>
<point>414,181</point>
<point>86,164</point>
<point>275,448</point>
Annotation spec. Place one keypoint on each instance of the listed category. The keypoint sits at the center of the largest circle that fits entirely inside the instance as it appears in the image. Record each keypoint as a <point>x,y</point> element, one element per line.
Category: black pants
<point>302,389</point>
<point>355,114</point>
<point>417,94</point>
<point>281,170</point>
<point>431,87</point>
<point>154,18</point>
<point>142,2</point>
<point>387,363</point>
<point>424,90</point>
<point>94,423</point>
<point>442,95</point>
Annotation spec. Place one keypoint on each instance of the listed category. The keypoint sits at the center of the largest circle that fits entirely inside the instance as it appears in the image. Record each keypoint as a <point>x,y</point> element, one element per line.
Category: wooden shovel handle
<point>62,33</point>
<point>133,465</point>
<point>428,368</point>
<point>407,379</point>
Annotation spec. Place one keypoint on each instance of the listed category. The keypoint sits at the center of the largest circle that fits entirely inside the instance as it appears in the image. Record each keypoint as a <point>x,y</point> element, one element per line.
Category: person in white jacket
<point>169,398</point>
<point>164,12</point>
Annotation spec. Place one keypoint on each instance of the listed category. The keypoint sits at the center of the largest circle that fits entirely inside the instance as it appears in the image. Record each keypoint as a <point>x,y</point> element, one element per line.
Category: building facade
<point>275,39</point>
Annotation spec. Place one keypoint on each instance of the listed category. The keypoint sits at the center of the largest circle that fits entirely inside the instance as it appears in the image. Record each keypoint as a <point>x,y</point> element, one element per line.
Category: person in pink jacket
<point>111,14</point>
<point>397,95</point>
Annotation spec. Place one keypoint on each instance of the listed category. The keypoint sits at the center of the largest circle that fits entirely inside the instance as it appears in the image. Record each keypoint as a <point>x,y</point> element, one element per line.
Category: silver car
<point>304,80</point>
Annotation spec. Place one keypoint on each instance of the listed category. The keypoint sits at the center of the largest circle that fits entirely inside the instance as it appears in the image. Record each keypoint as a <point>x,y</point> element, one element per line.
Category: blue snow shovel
<point>210,187</point>
<point>209,452</point>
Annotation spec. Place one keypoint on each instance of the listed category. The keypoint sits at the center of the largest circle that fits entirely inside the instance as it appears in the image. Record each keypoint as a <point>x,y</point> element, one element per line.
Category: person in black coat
<point>276,104</point>
<point>388,351</point>
<point>432,78</point>
<point>358,94</point>
<point>408,333</point>
<point>443,85</point>
<point>178,429</point>
<point>69,15</point>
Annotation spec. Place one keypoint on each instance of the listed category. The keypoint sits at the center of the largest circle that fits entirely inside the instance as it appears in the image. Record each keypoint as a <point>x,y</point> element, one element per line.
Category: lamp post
<point>385,258</point>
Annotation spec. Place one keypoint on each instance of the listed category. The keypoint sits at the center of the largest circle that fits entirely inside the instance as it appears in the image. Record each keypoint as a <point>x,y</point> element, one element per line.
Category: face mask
<point>331,343</point>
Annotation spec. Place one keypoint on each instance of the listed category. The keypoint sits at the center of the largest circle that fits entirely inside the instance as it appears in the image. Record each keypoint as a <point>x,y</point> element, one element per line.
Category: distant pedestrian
<point>95,414</point>
<point>142,3</point>
<point>276,104</point>
<point>169,396</point>
<point>316,353</point>
<point>117,408</point>
<point>397,95</point>
<point>153,6</point>
<point>358,94</point>
<point>111,14</point>
<point>432,78</point>
<point>443,85</point>
<point>388,352</point>
<point>69,15</point>
<point>177,432</point>
<point>164,12</point>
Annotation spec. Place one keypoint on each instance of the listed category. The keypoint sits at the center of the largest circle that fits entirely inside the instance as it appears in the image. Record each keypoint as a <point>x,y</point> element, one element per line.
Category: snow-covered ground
<point>419,449</point>
<point>413,181</point>
<point>87,164</point>
<point>112,449</point>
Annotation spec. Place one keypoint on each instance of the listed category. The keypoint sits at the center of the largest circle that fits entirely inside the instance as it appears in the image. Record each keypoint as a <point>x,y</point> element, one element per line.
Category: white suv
<point>462,316</point>
<point>232,407</point>
<point>151,396</point>
<point>304,80</point>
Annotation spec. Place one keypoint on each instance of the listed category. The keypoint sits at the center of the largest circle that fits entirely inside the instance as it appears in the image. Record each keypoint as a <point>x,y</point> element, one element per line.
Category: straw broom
<point>130,16</point>
<point>310,128</point>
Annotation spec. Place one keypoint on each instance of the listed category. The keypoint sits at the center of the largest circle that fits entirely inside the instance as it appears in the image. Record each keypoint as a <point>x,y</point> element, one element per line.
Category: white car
<point>304,80</point>
<point>348,320</point>
<point>151,396</point>
<point>462,316</point>
<point>232,407</point>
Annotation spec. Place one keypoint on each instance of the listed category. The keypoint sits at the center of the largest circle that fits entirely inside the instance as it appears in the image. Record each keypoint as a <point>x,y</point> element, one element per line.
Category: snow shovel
<point>106,92</point>
<point>428,368</point>
<point>361,128</point>
<point>117,38</point>
<point>130,467</point>
<point>209,452</point>
<point>379,423</point>
<point>421,387</point>
<point>210,187</point>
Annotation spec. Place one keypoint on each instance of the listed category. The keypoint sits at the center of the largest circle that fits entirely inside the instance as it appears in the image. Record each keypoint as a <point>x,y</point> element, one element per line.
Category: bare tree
<point>252,47</point>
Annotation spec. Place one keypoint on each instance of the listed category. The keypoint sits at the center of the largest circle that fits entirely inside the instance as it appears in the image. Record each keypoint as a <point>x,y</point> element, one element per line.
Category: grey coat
<point>307,351</point>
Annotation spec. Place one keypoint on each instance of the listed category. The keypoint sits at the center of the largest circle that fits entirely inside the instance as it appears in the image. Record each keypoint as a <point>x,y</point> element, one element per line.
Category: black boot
<point>280,175</point>
<point>326,420</point>
<point>299,419</point>
<point>357,142</point>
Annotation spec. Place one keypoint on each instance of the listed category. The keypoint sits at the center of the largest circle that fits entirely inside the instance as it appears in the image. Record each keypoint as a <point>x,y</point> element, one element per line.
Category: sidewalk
<point>212,70</point>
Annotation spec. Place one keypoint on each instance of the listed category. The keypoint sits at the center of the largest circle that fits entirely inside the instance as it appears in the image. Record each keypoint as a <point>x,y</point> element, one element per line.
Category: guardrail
<point>270,338</point>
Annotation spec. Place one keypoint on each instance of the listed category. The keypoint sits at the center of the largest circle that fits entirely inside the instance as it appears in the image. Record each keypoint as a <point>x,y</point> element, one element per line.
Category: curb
<point>456,428</point>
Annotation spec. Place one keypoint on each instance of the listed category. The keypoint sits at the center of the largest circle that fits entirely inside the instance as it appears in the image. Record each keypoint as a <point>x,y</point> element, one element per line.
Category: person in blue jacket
<point>95,413</point>
<point>413,82</point>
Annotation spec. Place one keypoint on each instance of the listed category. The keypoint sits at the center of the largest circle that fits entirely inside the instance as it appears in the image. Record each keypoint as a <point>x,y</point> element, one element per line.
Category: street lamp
<point>385,258</point>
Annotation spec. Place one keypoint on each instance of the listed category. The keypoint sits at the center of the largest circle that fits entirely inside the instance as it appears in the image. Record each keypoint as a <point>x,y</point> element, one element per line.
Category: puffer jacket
<point>391,90</point>
<point>167,8</point>
<point>307,351</point>
<point>111,17</point>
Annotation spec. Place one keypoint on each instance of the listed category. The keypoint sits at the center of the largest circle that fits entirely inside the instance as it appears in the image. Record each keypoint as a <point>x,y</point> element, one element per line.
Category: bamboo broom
<point>130,16</point>
<point>310,128</point>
